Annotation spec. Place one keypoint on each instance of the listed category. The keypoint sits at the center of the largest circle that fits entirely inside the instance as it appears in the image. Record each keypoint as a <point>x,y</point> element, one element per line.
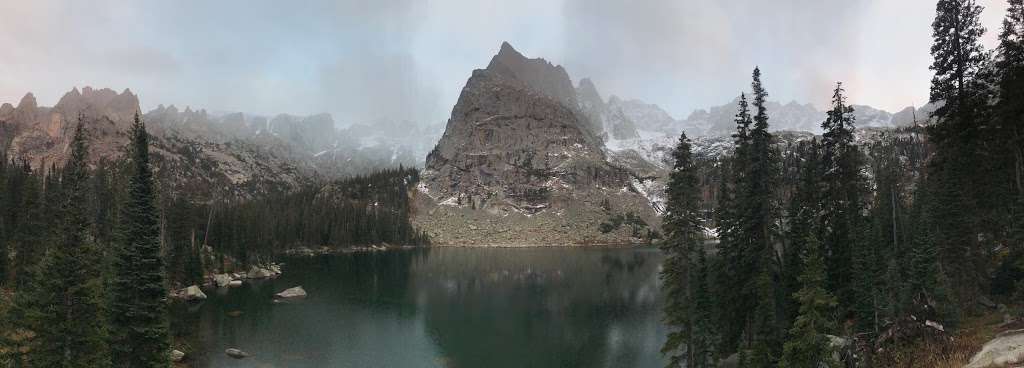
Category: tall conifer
<point>66,311</point>
<point>138,312</point>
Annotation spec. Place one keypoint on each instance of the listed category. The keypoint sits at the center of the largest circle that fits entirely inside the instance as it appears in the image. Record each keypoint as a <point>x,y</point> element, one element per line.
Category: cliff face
<point>195,165</point>
<point>517,157</point>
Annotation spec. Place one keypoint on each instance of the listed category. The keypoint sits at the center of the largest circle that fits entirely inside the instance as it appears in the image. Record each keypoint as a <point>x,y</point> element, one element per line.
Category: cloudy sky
<point>408,59</point>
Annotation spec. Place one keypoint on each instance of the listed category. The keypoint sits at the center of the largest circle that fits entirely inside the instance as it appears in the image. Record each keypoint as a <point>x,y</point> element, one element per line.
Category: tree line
<point>835,237</point>
<point>87,254</point>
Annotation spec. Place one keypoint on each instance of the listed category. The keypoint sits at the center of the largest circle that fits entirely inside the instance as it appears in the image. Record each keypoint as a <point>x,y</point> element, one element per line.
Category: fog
<point>408,60</point>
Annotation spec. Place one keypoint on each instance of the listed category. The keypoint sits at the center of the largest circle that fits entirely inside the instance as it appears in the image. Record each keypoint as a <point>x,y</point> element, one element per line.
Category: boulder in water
<point>236,353</point>
<point>258,272</point>
<point>235,283</point>
<point>293,293</point>
<point>222,279</point>
<point>191,293</point>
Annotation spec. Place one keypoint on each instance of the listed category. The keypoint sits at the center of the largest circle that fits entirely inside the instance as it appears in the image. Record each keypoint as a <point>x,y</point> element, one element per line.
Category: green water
<point>442,307</point>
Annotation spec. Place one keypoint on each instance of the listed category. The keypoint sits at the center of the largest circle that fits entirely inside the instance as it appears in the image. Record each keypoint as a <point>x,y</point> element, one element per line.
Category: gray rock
<point>1006,349</point>
<point>177,355</point>
<point>236,353</point>
<point>191,293</point>
<point>257,272</point>
<point>221,279</point>
<point>293,293</point>
<point>235,283</point>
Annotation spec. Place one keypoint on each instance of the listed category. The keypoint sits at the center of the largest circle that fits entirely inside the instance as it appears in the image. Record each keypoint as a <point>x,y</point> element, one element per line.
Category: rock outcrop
<point>520,160</point>
<point>1007,349</point>
<point>200,165</point>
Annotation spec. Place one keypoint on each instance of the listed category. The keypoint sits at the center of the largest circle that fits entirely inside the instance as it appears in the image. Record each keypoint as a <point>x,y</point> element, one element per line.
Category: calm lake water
<point>442,307</point>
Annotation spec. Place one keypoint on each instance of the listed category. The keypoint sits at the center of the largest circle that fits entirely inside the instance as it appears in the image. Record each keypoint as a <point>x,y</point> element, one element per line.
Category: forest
<point>107,238</point>
<point>838,253</point>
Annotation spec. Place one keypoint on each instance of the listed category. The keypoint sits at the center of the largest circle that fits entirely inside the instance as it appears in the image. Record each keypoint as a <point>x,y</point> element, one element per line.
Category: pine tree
<point>28,244</point>
<point>803,223</point>
<point>767,344</point>
<point>1010,105</point>
<point>845,194</point>
<point>138,313</point>
<point>760,227</point>
<point>683,229</point>
<point>733,275</point>
<point>958,175</point>
<point>958,58</point>
<point>66,309</point>
<point>808,346</point>
<point>705,337</point>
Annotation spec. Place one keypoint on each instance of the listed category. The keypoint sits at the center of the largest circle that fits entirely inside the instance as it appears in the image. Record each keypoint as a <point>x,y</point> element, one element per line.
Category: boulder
<point>257,272</point>
<point>293,293</point>
<point>222,279</point>
<point>236,353</point>
<point>235,283</point>
<point>1005,350</point>
<point>177,355</point>
<point>191,293</point>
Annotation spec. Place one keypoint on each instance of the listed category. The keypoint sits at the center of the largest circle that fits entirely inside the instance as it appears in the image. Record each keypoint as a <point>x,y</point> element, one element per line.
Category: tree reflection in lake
<point>442,307</point>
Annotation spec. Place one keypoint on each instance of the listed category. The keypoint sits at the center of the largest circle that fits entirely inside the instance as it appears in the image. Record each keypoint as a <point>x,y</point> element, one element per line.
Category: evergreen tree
<point>733,275</point>
<point>705,333</point>
<point>66,308</point>
<point>845,194</point>
<point>138,313</point>
<point>760,227</point>
<point>803,223</point>
<point>807,345</point>
<point>958,175</point>
<point>1010,105</point>
<point>28,244</point>
<point>683,230</point>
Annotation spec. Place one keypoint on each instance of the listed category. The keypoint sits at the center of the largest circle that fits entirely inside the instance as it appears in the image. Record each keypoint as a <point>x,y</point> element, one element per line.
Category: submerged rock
<point>1006,349</point>
<point>236,353</point>
<point>293,293</point>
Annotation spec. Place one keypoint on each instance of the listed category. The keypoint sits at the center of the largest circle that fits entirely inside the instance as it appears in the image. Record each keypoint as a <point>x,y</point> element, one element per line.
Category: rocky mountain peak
<point>587,93</point>
<point>537,74</point>
<point>28,102</point>
<point>519,149</point>
<point>119,107</point>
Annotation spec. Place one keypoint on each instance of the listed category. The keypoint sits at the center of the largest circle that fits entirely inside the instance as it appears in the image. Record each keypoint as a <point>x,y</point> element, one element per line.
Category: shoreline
<point>325,250</point>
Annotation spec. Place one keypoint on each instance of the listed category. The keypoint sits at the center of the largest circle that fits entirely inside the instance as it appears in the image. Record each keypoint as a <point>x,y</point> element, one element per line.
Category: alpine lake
<point>445,307</point>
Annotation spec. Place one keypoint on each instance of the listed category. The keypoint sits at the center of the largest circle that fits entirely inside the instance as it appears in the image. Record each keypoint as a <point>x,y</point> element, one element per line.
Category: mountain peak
<point>27,102</point>
<point>536,74</point>
<point>104,101</point>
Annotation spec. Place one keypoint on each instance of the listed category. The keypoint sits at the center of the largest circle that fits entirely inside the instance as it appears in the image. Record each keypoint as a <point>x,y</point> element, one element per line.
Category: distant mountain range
<point>217,153</point>
<point>207,155</point>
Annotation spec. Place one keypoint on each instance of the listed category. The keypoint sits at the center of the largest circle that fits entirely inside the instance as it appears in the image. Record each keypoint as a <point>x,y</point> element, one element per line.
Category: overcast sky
<point>408,59</point>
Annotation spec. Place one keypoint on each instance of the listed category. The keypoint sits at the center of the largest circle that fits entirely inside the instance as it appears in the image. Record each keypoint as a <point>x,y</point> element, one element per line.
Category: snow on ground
<point>655,147</point>
<point>654,191</point>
